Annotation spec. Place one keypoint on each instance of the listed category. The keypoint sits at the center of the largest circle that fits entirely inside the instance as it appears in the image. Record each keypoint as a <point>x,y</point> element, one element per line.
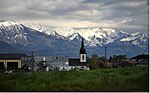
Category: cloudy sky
<point>128,15</point>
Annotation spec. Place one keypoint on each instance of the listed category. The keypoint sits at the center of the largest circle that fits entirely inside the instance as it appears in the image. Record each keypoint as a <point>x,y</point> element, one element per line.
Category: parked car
<point>84,68</point>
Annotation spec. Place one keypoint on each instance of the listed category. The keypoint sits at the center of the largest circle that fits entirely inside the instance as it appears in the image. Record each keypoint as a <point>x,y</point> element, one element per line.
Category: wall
<point>5,62</point>
<point>52,61</point>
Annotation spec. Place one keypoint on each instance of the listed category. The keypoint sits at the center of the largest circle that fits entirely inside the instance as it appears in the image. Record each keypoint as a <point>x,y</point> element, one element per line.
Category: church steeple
<point>82,49</point>
<point>82,52</point>
<point>82,43</point>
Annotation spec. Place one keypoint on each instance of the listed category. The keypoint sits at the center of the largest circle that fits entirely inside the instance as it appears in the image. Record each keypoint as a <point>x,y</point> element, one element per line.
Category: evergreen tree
<point>110,59</point>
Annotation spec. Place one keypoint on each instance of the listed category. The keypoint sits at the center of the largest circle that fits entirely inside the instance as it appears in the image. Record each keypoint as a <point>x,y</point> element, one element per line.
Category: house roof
<point>146,61</point>
<point>76,62</point>
<point>12,56</point>
<point>143,56</point>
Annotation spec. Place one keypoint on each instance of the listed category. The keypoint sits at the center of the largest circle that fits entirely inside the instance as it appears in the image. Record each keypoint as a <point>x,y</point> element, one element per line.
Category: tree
<point>110,59</point>
<point>118,58</point>
<point>103,59</point>
<point>94,61</point>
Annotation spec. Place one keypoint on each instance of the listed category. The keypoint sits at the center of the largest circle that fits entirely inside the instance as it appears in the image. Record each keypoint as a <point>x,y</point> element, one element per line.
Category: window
<point>82,57</point>
<point>22,58</point>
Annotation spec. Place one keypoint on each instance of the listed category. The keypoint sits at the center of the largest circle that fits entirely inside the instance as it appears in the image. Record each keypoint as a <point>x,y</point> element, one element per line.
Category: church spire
<point>82,52</point>
<point>82,43</point>
<point>82,49</point>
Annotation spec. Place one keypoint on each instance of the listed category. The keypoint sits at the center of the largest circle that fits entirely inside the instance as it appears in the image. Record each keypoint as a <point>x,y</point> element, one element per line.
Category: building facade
<point>11,61</point>
<point>50,62</point>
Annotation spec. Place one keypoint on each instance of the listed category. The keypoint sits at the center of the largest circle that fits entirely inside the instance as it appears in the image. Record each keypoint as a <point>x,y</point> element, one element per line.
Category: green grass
<point>114,79</point>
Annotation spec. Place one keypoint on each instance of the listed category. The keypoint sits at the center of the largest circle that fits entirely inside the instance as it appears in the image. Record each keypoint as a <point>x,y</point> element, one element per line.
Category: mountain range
<point>65,41</point>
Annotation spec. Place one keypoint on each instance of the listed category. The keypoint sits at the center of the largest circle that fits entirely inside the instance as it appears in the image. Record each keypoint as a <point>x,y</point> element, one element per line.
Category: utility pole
<point>32,63</point>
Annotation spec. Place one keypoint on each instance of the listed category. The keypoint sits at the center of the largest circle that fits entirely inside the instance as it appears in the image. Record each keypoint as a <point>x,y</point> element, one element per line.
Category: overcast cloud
<point>128,15</point>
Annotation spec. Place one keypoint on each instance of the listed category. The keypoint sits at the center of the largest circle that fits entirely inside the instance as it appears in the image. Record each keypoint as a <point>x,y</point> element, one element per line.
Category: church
<point>82,61</point>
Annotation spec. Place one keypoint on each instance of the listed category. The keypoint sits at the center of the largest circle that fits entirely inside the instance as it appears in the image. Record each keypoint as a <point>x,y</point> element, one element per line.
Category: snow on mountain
<point>38,27</point>
<point>93,35</point>
<point>73,36</point>
<point>64,31</point>
<point>26,38</point>
<point>4,23</point>
<point>12,32</point>
<point>136,33</point>
<point>139,39</point>
<point>128,39</point>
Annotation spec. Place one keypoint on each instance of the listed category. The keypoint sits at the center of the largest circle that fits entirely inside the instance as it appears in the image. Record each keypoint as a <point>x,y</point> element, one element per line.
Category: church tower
<point>82,52</point>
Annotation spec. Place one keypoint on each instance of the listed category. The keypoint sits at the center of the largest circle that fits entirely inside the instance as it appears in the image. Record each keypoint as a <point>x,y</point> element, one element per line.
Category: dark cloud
<point>130,15</point>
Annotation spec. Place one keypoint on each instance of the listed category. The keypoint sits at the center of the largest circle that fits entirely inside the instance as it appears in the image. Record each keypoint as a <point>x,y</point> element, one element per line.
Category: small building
<point>142,60</point>
<point>124,63</point>
<point>11,61</point>
<point>59,61</point>
<point>139,58</point>
<point>52,62</point>
<point>26,60</point>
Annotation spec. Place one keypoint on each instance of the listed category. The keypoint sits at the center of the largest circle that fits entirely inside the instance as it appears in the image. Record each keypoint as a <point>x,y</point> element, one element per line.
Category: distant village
<point>23,62</point>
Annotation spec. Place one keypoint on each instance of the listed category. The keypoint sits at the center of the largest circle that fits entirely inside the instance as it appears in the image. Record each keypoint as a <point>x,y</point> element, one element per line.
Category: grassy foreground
<point>114,79</point>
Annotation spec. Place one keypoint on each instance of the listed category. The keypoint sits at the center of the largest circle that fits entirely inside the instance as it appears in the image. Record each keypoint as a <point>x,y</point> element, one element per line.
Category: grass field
<point>114,79</point>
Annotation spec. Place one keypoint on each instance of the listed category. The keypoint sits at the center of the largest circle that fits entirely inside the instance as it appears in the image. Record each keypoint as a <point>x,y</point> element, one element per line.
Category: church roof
<point>12,56</point>
<point>76,62</point>
<point>143,56</point>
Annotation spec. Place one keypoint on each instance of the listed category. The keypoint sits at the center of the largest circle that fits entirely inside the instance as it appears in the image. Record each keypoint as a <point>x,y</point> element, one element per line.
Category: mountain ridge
<point>45,38</point>
<point>100,36</point>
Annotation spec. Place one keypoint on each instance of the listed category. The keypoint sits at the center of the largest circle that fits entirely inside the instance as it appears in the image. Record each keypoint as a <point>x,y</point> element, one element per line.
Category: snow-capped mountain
<point>43,38</point>
<point>27,38</point>
<point>139,39</point>
<point>12,33</point>
<point>94,36</point>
